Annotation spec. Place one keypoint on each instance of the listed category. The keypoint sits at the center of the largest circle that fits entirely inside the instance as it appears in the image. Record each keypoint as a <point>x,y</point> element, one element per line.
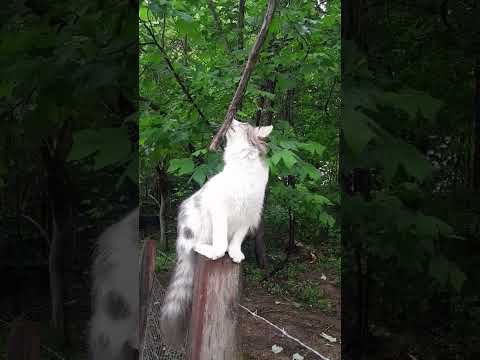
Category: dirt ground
<point>302,322</point>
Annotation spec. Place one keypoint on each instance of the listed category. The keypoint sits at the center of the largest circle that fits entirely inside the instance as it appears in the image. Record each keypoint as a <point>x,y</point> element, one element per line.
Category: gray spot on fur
<point>116,306</point>
<point>188,233</point>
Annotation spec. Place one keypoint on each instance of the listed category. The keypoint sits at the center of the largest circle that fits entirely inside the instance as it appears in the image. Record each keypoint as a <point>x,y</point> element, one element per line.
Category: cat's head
<point>241,136</point>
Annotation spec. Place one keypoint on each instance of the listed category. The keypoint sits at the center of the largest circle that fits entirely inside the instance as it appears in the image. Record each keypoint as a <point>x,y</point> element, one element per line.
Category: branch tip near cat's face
<point>244,135</point>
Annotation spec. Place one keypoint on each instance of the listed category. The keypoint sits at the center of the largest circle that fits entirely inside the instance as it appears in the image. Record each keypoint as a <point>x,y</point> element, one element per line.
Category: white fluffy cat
<point>216,219</point>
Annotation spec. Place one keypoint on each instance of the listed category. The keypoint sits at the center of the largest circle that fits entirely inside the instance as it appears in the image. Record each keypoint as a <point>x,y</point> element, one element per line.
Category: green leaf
<point>199,152</point>
<point>308,170</point>
<point>200,174</point>
<point>288,158</point>
<point>115,147</point>
<point>111,146</point>
<point>312,148</point>
<point>413,101</point>
<point>414,162</point>
<point>326,219</point>
<point>457,278</point>
<point>321,200</point>
<point>85,143</point>
<point>276,157</point>
<point>356,130</point>
<point>181,167</point>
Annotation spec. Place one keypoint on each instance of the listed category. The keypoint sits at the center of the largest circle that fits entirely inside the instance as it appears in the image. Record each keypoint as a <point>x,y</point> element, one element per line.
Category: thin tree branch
<point>40,229</point>
<point>247,72</point>
<point>330,95</point>
<point>186,92</point>
<point>154,199</point>
<point>218,24</point>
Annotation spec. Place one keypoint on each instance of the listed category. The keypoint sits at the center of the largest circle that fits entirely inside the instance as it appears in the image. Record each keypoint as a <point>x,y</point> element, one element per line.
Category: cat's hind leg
<point>219,245</point>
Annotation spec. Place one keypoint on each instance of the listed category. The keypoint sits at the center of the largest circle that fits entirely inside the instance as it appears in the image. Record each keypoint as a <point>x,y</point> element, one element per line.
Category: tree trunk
<point>60,198</point>
<point>260,248</point>
<point>185,50</point>
<point>475,162</point>
<point>55,269</point>
<point>161,219</point>
<point>264,114</point>
<point>291,246</point>
<point>357,180</point>
<point>241,23</point>
<point>161,189</point>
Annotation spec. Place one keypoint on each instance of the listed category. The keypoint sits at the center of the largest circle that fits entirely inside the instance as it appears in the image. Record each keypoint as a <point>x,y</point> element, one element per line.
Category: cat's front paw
<point>209,251</point>
<point>236,255</point>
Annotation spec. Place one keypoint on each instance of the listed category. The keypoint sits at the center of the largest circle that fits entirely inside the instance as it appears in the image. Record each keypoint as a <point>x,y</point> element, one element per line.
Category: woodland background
<point>377,151</point>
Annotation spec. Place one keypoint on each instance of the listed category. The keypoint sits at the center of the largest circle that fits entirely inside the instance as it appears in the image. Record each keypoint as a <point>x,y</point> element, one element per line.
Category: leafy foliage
<point>189,71</point>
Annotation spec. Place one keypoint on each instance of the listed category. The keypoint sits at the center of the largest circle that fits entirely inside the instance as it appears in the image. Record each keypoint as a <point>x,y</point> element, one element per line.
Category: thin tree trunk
<point>60,198</point>
<point>55,269</point>
<point>354,181</point>
<point>475,162</point>
<point>241,23</point>
<point>260,248</point>
<point>161,219</point>
<point>185,50</point>
<point>291,246</point>
<point>264,114</point>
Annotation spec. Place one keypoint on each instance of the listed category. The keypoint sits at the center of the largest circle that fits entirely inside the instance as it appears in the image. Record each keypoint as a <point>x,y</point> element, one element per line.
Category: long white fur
<point>115,271</point>
<point>216,219</point>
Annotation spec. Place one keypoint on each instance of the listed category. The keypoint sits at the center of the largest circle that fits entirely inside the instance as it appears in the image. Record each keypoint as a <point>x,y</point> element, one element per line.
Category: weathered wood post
<point>214,320</point>
<point>147,269</point>
<point>24,341</point>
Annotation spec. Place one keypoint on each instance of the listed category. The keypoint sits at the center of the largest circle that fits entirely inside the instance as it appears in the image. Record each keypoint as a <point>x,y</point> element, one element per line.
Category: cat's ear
<point>263,131</point>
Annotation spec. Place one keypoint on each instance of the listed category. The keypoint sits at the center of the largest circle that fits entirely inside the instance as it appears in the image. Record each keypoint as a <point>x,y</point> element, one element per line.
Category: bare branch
<point>40,229</point>
<point>154,199</point>
<point>247,72</point>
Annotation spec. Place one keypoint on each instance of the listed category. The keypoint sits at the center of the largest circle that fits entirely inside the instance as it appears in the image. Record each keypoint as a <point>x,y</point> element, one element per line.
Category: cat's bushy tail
<point>178,298</point>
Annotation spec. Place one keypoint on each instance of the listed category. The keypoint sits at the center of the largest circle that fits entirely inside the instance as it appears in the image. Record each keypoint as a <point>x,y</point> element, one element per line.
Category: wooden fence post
<point>24,341</point>
<point>147,269</point>
<point>214,320</point>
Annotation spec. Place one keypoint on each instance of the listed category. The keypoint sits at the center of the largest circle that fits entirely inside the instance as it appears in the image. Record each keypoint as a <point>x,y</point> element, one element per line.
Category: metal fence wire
<point>153,346</point>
